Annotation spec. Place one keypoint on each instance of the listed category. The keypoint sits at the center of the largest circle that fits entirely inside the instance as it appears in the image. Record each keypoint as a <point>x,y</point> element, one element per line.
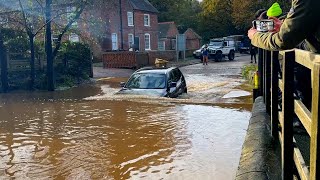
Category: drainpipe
<point>121,26</point>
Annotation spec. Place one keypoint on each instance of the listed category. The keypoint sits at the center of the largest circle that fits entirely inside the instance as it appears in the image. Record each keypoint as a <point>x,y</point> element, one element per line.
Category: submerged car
<point>160,82</point>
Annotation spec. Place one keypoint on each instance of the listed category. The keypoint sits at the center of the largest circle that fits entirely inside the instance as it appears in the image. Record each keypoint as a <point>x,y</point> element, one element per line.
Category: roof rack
<point>152,68</point>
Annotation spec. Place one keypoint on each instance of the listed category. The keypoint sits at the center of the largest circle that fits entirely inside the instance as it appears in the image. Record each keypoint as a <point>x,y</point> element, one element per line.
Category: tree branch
<point>42,8</point>
<point>67,27</point>
<point>29,32</point>
<point>57,16</point>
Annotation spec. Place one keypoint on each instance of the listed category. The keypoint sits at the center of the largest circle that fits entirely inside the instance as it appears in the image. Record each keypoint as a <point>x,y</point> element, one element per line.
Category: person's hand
<point>277,24</point>
<point>251,32</point>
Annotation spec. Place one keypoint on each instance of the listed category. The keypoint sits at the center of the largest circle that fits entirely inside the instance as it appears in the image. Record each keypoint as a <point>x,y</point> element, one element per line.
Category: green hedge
<point>72,66</point>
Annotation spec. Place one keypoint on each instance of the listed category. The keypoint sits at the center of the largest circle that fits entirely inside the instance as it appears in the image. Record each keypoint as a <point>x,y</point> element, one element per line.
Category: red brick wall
<point>138,30</point>
<point>192,41</point>
<point>193,44</point>
<point>110,23</point>
<point>169,44</point>
<point>141,30</point>
<point>173,31</point>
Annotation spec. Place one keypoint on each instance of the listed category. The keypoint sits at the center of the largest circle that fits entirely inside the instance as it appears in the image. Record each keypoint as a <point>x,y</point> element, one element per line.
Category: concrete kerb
<point>253,161</point>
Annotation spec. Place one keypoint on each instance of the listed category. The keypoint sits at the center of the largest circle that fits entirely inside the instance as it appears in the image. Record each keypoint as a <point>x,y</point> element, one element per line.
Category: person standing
<point>253,53</point>
<point>205,54</point>
<point>301,25</point>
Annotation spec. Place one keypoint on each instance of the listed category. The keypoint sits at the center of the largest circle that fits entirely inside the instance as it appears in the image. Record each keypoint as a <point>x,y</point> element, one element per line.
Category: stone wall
<point>258,151</point>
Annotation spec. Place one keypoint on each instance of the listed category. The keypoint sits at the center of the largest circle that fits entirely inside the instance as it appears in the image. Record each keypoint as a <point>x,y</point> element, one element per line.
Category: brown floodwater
<point>70,135</point>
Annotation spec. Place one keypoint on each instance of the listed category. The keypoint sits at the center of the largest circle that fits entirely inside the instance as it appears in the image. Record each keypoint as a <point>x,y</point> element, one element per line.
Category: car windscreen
<point>216,43</point>
<point>147,81</point>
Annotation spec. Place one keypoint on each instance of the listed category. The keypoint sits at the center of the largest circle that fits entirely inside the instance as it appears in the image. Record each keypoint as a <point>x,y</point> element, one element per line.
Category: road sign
<point>181,42</point>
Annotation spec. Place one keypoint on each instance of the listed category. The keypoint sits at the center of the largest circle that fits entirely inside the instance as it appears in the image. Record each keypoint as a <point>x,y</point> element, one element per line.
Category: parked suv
<point>245,45</point>
<point>219,48</point>
<point>198,53</point>
<point>161,82</point>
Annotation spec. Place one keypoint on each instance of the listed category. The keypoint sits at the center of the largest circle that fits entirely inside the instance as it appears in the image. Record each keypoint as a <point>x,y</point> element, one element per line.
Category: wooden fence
<point>16,63</point>
<point>124,59</point>
<point>274,78</point>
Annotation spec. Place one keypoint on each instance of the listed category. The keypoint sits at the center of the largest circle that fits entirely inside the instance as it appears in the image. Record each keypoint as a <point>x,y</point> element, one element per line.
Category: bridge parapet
<point>277,74</point>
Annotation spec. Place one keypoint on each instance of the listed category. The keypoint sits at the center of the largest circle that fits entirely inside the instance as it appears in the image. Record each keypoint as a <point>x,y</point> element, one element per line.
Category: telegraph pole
<point>121,25</point>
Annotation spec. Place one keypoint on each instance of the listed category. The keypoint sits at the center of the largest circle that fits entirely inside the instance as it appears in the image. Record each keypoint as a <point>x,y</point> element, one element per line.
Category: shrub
<point>74,64</point>
<point>247,69</point>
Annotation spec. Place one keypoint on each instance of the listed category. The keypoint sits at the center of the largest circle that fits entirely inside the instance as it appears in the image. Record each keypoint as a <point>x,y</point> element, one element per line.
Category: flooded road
<point>88,133</point>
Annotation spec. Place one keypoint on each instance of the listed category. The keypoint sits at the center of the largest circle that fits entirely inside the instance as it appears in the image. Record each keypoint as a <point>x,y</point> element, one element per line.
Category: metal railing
<point>274,79</point>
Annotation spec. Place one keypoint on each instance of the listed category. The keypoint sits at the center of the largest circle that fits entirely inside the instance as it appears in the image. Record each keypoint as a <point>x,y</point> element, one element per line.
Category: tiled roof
<point>143,5</point>
<point>193,32</point>
<point>164,28</point>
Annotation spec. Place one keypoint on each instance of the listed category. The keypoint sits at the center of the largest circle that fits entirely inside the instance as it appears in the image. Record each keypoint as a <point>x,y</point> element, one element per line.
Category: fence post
<point>268,81</point>
<point>260,71</point>
<point>274,94</point>
<point>288,110</point>
<point>315,135</point>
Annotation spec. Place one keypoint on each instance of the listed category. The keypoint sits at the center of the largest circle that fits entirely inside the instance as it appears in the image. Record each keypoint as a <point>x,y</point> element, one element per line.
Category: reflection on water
<point>59,135</point>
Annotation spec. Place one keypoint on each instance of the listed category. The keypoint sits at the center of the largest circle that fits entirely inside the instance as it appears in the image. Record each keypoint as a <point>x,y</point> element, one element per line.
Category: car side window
<point>180,75</point>
<point>176,75</point>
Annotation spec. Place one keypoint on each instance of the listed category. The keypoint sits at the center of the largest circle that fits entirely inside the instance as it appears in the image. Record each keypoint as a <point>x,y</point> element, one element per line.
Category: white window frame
<point>130,18</point>
<point>130,40</point>
<point>116,43</point>
<point>145,41</point>
<point>73,37</point>
<point>163,45</point>
<point>54,37</point>
<point>144,20</point>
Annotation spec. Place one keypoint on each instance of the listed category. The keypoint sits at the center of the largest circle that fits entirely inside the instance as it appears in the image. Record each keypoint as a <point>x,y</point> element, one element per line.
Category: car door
<point>178,79</point>
<point>171,90</point>
<point>183,84</point>
<point>225,47</point>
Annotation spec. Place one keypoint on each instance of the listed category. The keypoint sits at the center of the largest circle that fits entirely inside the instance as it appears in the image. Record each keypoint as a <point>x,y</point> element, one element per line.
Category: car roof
<point>155,70</point>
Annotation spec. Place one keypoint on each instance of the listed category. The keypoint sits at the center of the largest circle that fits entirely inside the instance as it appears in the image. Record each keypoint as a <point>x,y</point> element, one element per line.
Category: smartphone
<point>263,25</point>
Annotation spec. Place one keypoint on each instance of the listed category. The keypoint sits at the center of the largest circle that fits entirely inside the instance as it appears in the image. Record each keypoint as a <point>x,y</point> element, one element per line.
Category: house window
<point>130,40</point>
<point>55,38</point>
<point>147,42</point>
<point>173,44</point>
<point>162,45</point>
<point>146,20</point>
<point>74,37</point>
<point>130,18</point>
<point>114,39</point>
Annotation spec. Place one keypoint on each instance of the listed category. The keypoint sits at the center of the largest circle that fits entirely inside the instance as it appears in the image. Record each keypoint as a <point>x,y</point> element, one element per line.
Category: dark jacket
<point>253,50</point>
<point>205,51</point>
<point>302,23</point>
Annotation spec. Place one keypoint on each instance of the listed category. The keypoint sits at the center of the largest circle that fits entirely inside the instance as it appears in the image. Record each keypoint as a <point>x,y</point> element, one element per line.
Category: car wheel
<point>218,56</point>
<point>231,55</point>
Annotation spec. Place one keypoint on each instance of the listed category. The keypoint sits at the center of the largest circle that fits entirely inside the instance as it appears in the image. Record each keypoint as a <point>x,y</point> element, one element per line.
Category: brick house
<point>193,40</point>
<point>139,27</point>
<point>167,36</point>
